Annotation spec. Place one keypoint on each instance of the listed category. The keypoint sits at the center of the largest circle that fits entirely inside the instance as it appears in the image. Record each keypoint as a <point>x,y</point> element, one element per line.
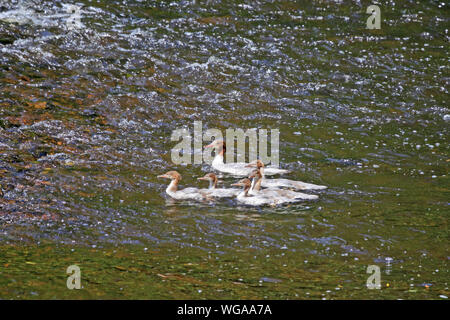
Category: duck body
<point>239,169</point>
<point>284,195</point>
<point>276,193</point>
<point>298,185</point>
<point>184,194</point>
<point>255,200</point>
<point>222,193</point>
<point>286,183</point>
<point>215,192</point>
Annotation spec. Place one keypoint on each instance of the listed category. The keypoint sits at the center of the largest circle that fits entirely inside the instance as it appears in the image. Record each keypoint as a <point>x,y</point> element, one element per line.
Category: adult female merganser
<point>275,183</point>
<point>218,192</point>
<point>238,168</point>
<point>255,189</point>
<point>184,194</point>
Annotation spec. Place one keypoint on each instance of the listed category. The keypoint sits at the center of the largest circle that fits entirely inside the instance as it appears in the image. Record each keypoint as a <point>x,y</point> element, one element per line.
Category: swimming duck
<point>184,194</point>
<point>276,183</point>
<point>286,195</point>
<point>258,200</point>
<point>238,168</point>
<point>218,192</point>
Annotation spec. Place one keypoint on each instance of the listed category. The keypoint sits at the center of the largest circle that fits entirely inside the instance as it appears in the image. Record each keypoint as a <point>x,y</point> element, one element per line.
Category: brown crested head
<point>209,177</point>
<point>255,164</point>
<point>172,175</point>
<point>243,183</point>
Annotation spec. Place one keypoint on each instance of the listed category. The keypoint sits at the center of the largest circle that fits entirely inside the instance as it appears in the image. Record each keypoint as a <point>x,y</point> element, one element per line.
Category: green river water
<point>86,116</point>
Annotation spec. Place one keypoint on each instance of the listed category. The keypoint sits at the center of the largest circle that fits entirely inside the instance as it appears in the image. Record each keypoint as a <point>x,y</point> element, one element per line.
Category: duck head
<point>219,145</point>
<point>211,177</point>
<point>246,183</point>
<point>256,164</point>
<point>175,177</point>
<point>172,175</point>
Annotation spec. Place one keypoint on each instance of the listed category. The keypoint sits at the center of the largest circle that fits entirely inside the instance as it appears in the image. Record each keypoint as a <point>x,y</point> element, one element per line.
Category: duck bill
<point>236,185</point>
<point>250,165</point>
<point>163,176</point>
<point>209,146</point>
<point>202,178</point>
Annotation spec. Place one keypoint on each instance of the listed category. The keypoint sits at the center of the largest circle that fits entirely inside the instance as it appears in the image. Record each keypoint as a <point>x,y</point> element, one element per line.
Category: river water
<point>88,102</point>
